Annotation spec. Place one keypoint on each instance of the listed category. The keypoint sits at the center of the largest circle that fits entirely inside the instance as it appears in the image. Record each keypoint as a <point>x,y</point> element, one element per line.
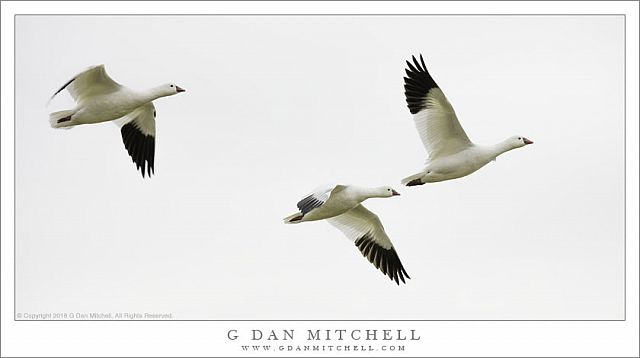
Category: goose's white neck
<point>153,93</point>
<point>500,148</point>
<point>366,193</point>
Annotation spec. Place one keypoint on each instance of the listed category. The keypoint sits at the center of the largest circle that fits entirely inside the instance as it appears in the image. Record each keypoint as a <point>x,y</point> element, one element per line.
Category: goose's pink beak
<point>526,141</point>
<point>179,89</point>
<point>394,193</point>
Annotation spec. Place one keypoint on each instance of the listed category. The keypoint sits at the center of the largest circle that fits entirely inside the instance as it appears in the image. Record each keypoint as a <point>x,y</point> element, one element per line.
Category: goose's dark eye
<point>172,86</point>
<point>518,137</point>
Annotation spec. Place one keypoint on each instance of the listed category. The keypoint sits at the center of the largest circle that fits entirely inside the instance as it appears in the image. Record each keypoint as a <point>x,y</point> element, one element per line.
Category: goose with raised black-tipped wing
<point>451,154</point>
<point>341,206</point>
<point>100,99</point>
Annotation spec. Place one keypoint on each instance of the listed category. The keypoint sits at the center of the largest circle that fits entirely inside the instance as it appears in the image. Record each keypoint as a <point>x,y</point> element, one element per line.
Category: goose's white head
<point>168,89</point>
<point>518,141</point>
<point>385,192</point>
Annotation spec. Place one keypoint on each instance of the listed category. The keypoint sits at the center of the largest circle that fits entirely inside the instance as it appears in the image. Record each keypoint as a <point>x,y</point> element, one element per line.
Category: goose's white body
<point>100,99</point>
<point>341,199</point>
<point>341,206</point>
<point>451,154</point>
<point>108,107</point>
<point>459,164</point>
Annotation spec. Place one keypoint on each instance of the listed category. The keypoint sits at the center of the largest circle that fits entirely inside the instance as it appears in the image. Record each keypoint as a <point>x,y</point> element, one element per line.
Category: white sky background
<point>277,105</point>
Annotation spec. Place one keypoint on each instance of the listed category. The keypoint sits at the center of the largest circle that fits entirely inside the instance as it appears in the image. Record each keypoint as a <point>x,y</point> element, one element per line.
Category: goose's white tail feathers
<point>55,117</point>
<point>289,219</point>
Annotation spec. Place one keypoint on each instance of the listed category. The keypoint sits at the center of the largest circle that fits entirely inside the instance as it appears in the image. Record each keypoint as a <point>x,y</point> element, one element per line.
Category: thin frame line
<point>328,320</point>
<point>327,14</point>
<point>624,156</point>
<point>321,1</point>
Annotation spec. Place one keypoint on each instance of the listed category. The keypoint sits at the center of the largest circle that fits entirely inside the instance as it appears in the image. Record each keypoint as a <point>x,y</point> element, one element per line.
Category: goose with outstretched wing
<point>100,99</point>
<point>341,206</point>
<point>451,154</point>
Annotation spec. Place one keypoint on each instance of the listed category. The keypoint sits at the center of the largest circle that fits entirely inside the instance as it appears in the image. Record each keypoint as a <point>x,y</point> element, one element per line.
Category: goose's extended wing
<point>139,136</point>
<point>318,197</point>
<point>91,82</point>
<point>365,229</point>
<point>434,117</point>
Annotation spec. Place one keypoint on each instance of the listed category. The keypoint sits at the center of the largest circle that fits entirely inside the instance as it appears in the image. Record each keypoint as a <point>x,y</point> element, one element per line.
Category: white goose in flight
<point>341,206</point>
<point>101,99</point>
<point>451,154</point>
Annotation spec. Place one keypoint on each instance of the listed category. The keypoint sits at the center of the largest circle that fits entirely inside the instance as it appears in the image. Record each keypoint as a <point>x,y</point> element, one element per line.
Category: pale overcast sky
<point>277,105</point>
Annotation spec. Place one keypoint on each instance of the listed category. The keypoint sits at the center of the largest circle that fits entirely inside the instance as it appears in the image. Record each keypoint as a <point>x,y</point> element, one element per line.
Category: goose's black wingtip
<point>420,66</point>
<point>141,148</point>
<point>385,260</point>
<point>415,61</point>
<point>417,84</point>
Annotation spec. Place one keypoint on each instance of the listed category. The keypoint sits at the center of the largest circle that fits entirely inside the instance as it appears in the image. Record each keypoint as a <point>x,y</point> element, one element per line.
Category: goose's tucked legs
<point>297,218</point>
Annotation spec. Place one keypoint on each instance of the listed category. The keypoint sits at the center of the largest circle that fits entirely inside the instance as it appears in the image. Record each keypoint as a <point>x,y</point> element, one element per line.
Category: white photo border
<point>211,338</point>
